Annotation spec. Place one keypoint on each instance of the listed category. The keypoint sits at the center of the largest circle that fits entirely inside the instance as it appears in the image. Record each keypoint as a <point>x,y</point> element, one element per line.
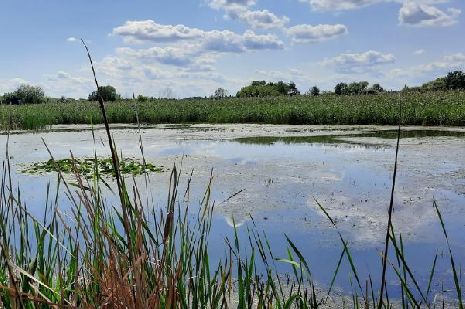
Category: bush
<point>455,80</point>
<point>220,93</point>
<point>263,89</point>
<point>25,94</point>
<point>108,94</point>
<point>452,81</point>
<point>314,91</point>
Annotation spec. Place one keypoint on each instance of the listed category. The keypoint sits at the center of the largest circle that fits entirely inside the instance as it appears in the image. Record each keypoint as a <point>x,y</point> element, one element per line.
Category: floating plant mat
<point>87,166</point>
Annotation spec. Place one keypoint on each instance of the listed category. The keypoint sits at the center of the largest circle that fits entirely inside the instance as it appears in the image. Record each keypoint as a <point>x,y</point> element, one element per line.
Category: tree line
<point>28,94</point>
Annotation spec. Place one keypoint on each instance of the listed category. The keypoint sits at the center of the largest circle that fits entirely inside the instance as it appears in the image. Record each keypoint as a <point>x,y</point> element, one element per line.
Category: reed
<point>429,108</point>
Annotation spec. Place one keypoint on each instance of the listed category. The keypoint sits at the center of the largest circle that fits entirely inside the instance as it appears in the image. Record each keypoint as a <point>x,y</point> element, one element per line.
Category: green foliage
<point>25,94</point>
<point>108,94</point>
<point>418,108</point>
<point>314,91</point>
<point>341,88</point>
<point>376,88</point>
<point>220,93</point>
<point>438,84</point>
<point>88,167</point>
<point>452,81</point>
<point>455,80</point>
<point>141,98</point>
<point>263,89</point>
<point>357,88</point>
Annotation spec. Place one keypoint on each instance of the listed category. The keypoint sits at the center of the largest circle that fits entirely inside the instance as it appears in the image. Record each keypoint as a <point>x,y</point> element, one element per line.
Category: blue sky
<point>192,47</point>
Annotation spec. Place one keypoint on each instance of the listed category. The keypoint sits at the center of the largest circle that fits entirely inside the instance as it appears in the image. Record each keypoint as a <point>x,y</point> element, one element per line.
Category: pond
<point>277,174</point>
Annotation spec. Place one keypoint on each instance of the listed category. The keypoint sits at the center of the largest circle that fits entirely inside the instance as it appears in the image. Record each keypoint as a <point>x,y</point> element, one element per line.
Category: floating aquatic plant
<point>89,166</point>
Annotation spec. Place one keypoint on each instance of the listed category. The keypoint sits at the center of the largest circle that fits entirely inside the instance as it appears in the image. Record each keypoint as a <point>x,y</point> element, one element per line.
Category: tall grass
<point>132,255</point>
<point>434,108</point>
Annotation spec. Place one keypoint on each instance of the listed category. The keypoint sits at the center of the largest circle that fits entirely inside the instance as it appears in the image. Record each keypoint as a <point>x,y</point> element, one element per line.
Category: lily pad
<point>88,167</point>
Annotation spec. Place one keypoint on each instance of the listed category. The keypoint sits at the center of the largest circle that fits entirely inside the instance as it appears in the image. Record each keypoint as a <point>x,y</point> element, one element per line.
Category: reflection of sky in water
<point>279,183</point>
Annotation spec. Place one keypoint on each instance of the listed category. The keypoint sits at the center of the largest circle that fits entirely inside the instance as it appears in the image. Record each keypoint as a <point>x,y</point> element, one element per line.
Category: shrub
<point>314,91</point>
<point>220,93</point>
<point>263,89</point>
<point>108,94</point>
<point>25,94</point>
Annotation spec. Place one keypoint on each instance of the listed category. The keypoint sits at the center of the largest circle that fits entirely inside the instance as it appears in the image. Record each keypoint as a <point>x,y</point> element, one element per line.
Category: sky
<point>186,48</point>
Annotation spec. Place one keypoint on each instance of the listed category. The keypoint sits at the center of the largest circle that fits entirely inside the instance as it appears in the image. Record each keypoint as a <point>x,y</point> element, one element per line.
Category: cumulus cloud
<point>135,71</point>
<point>240,10</point>
<point>339,5</point>
<point>231,3</point>
<point>263,19</point>
<point>253,41</point>
<point>421,14</point>
<point>440,66</point>
<point>222,41</point>
<point>419,52</point>
<point>149,30</point>
<point>72,39</point>
<point>422,73</point>
<point>8,85</point>
<point>176,56</point>
<point>309,33</point>
<point>359,62</point>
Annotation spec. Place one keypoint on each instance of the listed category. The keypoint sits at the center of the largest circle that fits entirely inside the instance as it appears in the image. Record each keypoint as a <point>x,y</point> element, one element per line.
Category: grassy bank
<point>431,108</point>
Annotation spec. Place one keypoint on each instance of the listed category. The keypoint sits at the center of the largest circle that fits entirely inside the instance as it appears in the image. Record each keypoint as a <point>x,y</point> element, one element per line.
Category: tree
<point>357,87</point>
<point>107,93</point>
<point>264,89</point>
<point>314,91</point>
<point>220,93</point>
<point>354,88</point>
<point>341,89</point>
<point>452,81</point>
<point>141,98</point>
<point>292,89</point>
<point>376,88</point>
<point>25,94</point>
<point>455,80</point>
<point>439,84</point>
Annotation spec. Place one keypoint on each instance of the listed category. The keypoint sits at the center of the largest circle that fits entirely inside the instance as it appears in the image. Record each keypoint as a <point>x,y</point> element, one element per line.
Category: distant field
<point>433,108</point>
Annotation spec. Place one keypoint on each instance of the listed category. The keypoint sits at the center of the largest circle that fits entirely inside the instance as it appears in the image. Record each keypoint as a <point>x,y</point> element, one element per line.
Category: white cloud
<point>230,3</point>
<point>263,19</point>
<point>132,71</point>
<point>419,74</point>
<point>309,33</point>
<point>240,10</point>
<point>220,41</point>
<point>359,62</point>
<point>176,56</point>
<point>148,30</point>
<point>419,52</point>
<point>339,5</point>
<point>8,85</point>
<point>253,41</point>
<point>421,14</point>
<point>72,39</point>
